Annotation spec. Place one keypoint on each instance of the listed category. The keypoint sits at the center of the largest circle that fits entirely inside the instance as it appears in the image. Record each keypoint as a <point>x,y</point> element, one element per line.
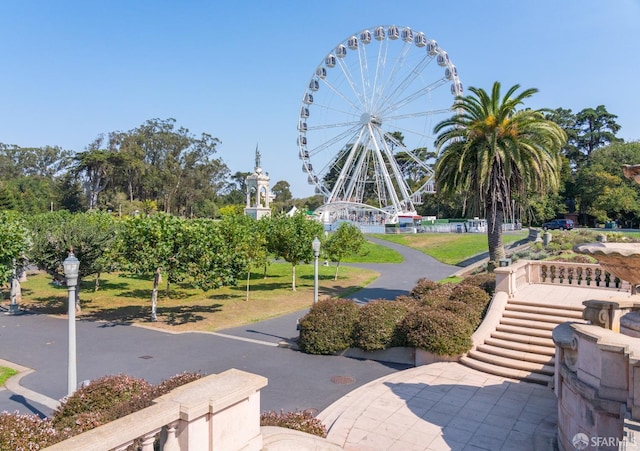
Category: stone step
<point>505,372</point>
<point>530,324</point>
<point>559,307</point>
<point>511,363</point>
<point>555,319</point>
<point>515,354</point>
<point>522,338</point>
<point>547,350</point>
<point>526,331</point>
<point>569,313</point>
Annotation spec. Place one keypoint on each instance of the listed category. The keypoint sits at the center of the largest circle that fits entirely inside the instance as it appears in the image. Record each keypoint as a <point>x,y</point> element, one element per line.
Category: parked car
<point>562,224</point>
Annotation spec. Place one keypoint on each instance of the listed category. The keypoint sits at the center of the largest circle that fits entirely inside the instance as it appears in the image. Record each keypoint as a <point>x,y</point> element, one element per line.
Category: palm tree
<point>491,151</point>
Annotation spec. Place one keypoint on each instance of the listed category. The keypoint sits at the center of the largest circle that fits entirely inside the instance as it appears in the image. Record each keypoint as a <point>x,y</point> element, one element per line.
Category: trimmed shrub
<point>429,293</point>
<point>438,331</point>
<point>26,432</point>
<point>468,312</point>
<point>378,325</point>
<point>485,280</point>
<point>109,398</point>
<point>474,296</point>
<point>99,401</point>
<point>103,400</point>
<point>300,421</point>
<point>423,287</point>
<point>176,381</point>
<point>328,327</point>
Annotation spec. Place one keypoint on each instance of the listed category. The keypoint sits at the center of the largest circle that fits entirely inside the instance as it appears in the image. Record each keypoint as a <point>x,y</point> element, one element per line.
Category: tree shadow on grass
<point>174,316</point>
<point>104,285</point>
<point>264,286</point>
<point>49,305</point>
<point>146,294</point>
<point>187,314</point>
<point>320,277</point>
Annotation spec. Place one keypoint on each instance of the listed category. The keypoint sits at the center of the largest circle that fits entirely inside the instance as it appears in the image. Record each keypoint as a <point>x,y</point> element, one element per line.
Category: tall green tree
<point>597,128</point>
<point>603,191</point>
<point>96,165</point>
<point>492,150</point>
<point>587,130</point>
<point>282,191</point>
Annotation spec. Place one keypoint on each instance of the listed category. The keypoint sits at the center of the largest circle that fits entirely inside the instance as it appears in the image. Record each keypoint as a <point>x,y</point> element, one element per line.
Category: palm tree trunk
<point>495,218</point>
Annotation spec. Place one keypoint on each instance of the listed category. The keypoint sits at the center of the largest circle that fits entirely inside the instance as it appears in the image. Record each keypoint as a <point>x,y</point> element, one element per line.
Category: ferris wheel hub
<point>368,118</point>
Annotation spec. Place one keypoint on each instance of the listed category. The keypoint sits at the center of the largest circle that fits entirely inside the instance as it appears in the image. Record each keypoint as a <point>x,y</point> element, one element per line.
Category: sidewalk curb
<point>13,384</point>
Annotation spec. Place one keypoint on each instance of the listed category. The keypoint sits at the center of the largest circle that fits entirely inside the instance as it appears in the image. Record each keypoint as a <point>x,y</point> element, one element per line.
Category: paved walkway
<point>444,406</point>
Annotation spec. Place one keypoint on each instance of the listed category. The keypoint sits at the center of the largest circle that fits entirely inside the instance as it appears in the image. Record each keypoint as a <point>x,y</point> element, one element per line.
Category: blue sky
<point>70,70</point>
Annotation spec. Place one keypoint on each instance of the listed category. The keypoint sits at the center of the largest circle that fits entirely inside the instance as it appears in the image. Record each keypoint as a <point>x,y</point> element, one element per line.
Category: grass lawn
<point>6,373</point>
<point>374,253</point>
<point>127,299</point>
<point>450,248</point>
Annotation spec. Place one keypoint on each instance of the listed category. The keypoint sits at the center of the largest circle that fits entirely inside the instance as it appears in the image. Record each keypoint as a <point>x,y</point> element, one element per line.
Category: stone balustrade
<point>597,383</point>
<point>217,412</point>
<point>588,275</point>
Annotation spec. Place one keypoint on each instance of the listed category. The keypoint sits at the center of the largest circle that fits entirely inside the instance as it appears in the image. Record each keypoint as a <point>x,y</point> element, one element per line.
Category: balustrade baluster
<point>148,440</point>
<point>171,440</point>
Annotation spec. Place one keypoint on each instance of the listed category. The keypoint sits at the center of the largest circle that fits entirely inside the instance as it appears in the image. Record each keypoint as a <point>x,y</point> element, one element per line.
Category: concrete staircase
<point>521,347</point>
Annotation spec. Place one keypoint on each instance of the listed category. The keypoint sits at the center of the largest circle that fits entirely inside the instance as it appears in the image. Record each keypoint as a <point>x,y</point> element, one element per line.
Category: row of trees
<point>200,253</point>
<point>158,166</point>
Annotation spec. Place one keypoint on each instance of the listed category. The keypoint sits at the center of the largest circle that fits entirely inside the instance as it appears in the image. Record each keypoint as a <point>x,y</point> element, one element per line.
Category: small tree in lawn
<point>147,246</point>
<point>15,240</point>
<point>290,237</point>
<point>248,237</point>
<point>346,240</point>
<point>91,236</point>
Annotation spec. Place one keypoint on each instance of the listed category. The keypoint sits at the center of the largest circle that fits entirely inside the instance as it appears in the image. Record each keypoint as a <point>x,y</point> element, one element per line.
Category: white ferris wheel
<point>366,122</point>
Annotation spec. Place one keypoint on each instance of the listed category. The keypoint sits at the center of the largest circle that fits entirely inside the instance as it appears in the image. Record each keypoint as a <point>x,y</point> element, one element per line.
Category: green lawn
<point>374,253</point>
<point>6,373</point>
<point>450,248</point>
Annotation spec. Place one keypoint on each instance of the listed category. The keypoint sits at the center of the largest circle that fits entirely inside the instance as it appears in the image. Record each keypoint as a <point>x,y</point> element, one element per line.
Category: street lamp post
<point>316,253</point>
<point>71,265</point>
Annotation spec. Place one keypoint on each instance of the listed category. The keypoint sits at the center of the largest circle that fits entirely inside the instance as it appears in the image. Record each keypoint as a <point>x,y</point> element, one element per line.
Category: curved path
<point>395,279</point>
<point>399,278</point>
<point>296,380</point>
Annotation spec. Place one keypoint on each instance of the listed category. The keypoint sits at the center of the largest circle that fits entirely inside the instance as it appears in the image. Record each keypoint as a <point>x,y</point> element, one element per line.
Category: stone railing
<point>597,383</point>
<point>587,275</point>
<point>217,412</point>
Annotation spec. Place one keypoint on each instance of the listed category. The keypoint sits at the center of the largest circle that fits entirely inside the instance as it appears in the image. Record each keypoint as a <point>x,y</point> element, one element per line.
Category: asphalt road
<point>297,381</point>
